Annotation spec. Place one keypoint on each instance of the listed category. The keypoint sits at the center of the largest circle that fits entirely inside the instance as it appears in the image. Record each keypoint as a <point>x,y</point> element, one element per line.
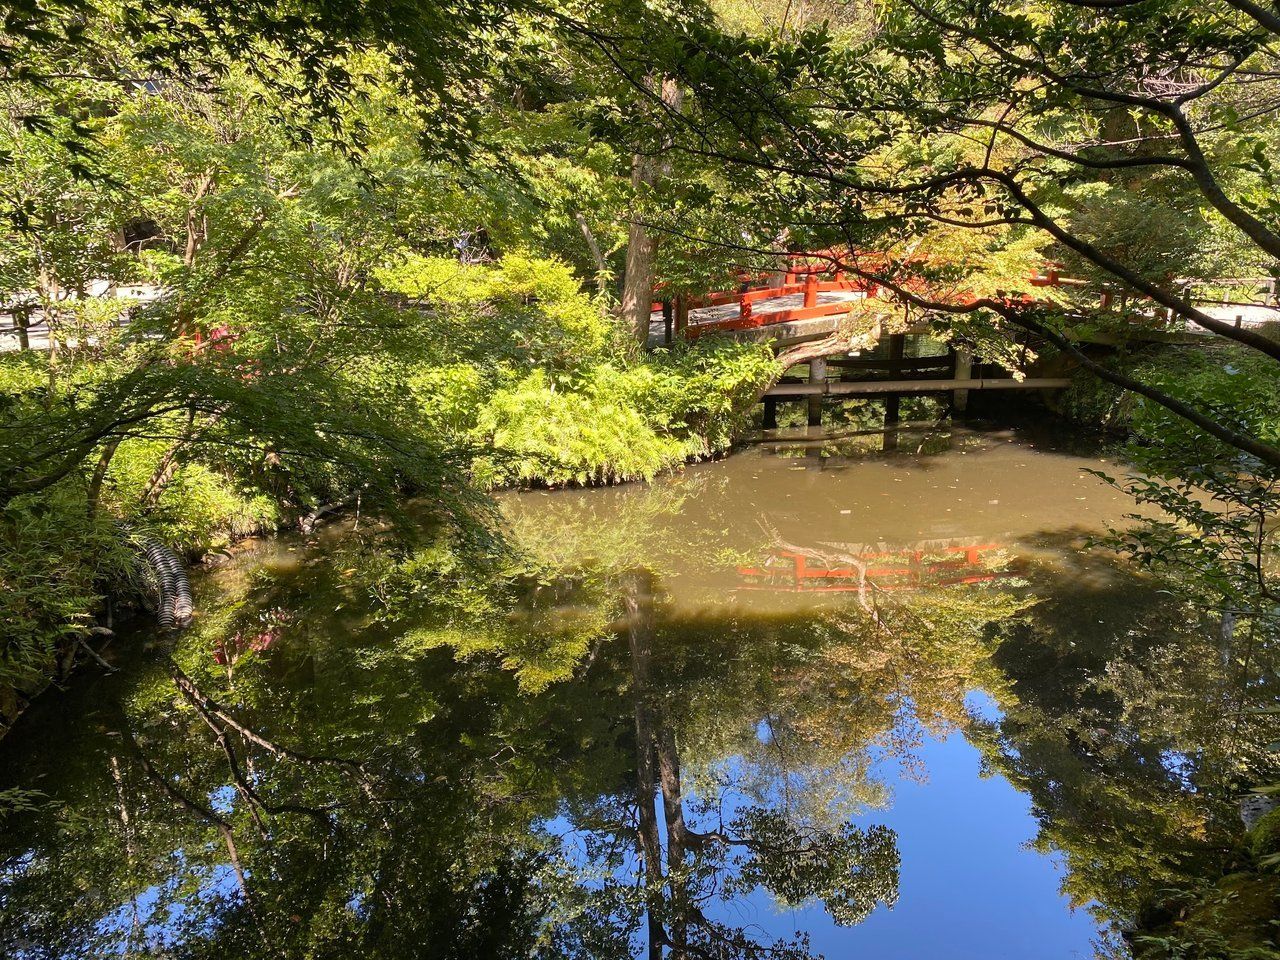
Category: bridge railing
<point>754,303</point>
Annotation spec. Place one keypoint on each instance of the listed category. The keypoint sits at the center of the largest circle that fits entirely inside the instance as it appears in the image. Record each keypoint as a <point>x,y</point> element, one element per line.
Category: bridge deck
<point>699,316</point>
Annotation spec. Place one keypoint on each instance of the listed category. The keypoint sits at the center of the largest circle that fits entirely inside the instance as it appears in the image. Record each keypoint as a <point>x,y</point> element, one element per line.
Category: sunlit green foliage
<point>333,334</point>
<point>322,333</point>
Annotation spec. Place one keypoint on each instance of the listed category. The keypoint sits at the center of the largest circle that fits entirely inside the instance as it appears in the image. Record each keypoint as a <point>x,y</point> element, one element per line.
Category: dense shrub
<point>617,423</point>
<point>1264,838</point>
<point>559,437</point>
<point>199,509</point>
<point>531,370</point>
<point>54,566</point>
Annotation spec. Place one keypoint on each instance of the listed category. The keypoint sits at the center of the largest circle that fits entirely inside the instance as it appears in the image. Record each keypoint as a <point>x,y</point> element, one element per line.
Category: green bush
<point>702,393</point>
<point>554,436</point>
<point>199,509</point>
<point>1264,838</point>
<point>530,367</point>
<point>1231,919</point>
<point>616,423</point>
<point>55,565</point>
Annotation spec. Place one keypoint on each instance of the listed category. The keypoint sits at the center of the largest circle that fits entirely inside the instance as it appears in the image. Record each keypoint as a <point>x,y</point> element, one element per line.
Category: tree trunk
<point>100,474</point>
<point>602,265</point>
<point>21,321</point>
<point>637,284</point>
<point>646,171</point>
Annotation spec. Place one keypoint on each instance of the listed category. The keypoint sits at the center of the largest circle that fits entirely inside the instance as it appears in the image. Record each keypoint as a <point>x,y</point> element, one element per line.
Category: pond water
<point>816,698</point>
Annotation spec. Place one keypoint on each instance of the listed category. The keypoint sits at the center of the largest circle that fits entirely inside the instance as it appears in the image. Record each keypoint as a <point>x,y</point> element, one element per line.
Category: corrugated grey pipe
<point>176,604</point>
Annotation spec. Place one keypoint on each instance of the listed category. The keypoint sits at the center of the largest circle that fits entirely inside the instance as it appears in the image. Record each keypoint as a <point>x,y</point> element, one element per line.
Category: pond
<point>819,698</point>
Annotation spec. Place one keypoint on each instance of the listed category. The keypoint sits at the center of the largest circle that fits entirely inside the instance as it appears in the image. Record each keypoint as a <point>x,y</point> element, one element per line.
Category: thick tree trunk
<point>637,283</point>
<point>646,172</point>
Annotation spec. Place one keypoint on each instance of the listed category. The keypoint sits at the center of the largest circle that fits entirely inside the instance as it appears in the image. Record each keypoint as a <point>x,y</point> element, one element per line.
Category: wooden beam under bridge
<point>884,363</point>
<point>874,387</point>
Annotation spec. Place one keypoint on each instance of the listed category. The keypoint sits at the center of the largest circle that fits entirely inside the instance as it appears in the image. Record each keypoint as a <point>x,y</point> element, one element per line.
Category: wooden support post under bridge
<point>897,348</point>
<point>770,413</point>
<point>817,376</point>
<point>962,369</point>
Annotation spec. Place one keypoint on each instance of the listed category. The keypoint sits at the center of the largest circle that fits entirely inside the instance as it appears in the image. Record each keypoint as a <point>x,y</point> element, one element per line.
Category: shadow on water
<point>692,724</point>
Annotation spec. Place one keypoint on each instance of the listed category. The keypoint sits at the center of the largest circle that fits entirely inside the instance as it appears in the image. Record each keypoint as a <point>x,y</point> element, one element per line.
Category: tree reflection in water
<point>796,859</point>
<point>320,797</point>
<point>609,755</point>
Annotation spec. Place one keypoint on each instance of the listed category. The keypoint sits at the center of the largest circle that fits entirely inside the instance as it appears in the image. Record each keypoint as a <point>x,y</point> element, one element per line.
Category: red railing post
<point>811,290</point>
<point>744,308</point>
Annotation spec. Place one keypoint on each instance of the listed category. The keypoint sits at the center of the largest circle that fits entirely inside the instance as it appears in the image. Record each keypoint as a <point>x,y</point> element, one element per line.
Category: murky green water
<point>811,699</point>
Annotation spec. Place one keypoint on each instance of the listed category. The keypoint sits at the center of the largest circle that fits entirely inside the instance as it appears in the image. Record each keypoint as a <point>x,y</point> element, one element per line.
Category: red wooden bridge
<point>806,300</point>
<point>784,307</point>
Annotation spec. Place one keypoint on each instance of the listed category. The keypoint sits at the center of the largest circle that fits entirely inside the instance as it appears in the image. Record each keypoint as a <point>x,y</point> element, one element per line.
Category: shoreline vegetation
<point>519,441</point>
<point>614,418</point>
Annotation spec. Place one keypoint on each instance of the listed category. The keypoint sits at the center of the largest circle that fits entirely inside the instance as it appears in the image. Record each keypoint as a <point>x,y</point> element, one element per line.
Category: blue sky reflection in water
<point>970,886</point>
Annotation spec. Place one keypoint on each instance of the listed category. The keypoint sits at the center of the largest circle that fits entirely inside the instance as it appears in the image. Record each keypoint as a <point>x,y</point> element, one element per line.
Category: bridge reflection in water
<point>858,568</point>
<point>869,571</point>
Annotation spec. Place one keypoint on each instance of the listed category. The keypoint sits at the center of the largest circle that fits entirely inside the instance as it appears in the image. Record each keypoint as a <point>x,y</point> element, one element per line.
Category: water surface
<point>816,698</point>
